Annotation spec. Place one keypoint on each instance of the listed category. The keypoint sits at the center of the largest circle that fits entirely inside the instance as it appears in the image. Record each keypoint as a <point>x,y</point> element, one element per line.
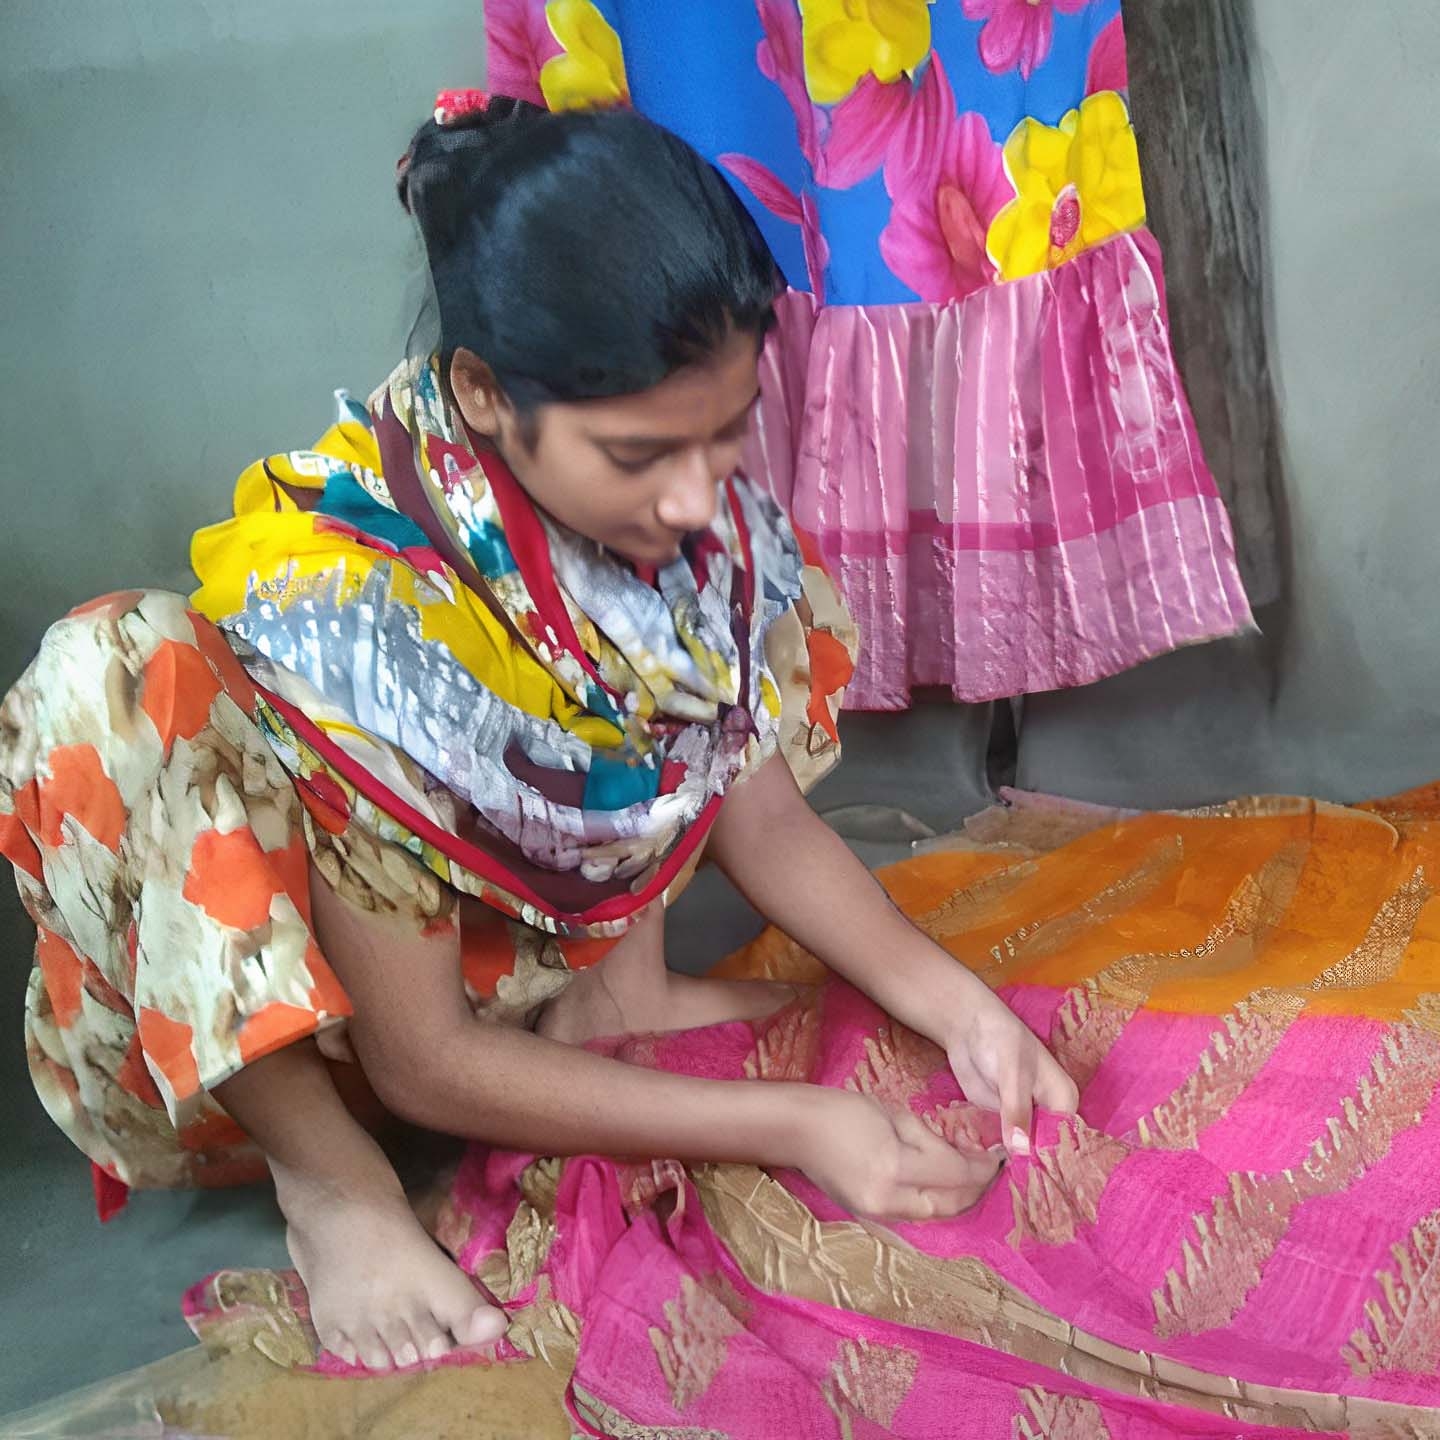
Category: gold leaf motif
<point>1087,1021</point>
<point>898,1065</point>
<point>545,1329</point>
<point>642,1185</point>
<point>255,1308</point>
<point>1093,1015</point>
<point>1403,1332</point>
<point>786,1048</point>
<point>968,907</point>
<point>528,1238</point>
<point>693,1350</point>
<point>1223,1261</point>
<point>607,1420</point>
<point>507,1273</point>
<point>870,1381</point>
<point>1234,1057</point>
<point>1377,957</point>
<point>1063,1185</point>
<point>1130,889</point>
<point>1058,1417</point>
<point>959,1123</point>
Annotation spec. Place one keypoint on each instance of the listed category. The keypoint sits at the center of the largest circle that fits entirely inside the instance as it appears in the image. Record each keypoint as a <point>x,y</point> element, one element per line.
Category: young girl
<point>501,657</point>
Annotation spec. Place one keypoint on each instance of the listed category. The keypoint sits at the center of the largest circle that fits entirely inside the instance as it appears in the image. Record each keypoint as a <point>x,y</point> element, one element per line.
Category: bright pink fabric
<point>1032,510</point>
<point>620,1269</point>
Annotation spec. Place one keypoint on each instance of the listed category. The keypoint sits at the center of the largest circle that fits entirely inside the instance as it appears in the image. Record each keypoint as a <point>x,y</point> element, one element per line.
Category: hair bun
<point>459,118</point>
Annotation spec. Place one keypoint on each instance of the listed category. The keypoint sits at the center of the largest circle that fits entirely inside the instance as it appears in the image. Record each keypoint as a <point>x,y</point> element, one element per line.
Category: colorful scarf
<point>541,726</point>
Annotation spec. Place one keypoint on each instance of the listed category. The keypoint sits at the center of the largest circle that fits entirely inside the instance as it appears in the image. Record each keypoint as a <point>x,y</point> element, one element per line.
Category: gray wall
<point>1342,697</point>
<point>201,240</point>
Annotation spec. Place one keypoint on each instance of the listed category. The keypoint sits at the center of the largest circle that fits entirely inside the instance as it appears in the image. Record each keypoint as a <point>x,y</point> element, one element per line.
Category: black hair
<point>582,254</point>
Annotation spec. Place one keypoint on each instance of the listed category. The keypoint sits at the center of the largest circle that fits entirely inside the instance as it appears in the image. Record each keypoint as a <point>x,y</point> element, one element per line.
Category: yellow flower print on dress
<point>846,40</point>
<point>1076,184</point>
<point>591,71</point>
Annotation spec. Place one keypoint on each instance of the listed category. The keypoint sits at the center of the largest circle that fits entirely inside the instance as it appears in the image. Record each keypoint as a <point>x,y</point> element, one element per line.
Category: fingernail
<point>1019,1141</point>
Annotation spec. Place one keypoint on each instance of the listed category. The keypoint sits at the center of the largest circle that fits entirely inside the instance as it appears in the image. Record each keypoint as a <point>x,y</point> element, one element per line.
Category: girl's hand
<point>1000,1064</point>
<point>889,1164</point>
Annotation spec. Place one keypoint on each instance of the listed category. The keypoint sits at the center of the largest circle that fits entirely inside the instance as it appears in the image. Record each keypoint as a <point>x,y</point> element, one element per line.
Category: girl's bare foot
<point>695,1000</point>
<point>382,1293</point>
<point>635,999</point>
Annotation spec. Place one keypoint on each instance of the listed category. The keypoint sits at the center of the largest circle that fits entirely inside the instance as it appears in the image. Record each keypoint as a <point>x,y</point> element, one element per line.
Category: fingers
<point>1054,1089</point>
<point>929,1163</point>
<point>1017,1089</point>
<point>973,1085</point>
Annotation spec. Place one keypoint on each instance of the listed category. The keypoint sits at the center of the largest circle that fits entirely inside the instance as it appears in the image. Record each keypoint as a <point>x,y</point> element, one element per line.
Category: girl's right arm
<point>433,1063</point>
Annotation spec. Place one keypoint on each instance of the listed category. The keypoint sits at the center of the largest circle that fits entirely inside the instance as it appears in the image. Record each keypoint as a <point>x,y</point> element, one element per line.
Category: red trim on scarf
<point>618,907</point>
<point>111,1193</point>
<point>530,545</point>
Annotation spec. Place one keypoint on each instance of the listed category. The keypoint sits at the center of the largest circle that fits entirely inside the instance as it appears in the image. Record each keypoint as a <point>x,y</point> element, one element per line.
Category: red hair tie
<point>453,105</point>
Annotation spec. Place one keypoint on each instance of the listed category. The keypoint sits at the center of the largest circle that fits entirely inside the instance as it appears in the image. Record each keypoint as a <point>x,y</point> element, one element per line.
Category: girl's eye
<point>634,467</point>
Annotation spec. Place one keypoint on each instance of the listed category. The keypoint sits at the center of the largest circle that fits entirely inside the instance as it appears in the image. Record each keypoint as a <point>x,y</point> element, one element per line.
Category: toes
<point>430,1337</point>
<point>373,1352</point>
<point>477,1324</point>
<point>396,1336</point>
<point>341,1347</point>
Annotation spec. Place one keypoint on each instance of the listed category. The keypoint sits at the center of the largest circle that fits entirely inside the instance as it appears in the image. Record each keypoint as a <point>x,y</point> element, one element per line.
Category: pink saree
<point>1237,1235</point>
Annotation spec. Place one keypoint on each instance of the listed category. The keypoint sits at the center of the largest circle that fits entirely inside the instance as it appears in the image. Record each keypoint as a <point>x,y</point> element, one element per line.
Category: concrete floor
<point>80,1303</point>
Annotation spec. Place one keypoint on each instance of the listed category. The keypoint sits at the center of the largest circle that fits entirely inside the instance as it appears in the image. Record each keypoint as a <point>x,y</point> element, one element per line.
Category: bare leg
<point>381,1291</point>
<point>631,993</point>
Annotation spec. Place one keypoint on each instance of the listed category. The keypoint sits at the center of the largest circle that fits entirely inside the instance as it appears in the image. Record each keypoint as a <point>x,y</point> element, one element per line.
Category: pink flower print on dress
<point>946,178</point>
<point>1109,69</point>
<point>1017,33</point>
<point>520,42</point>
<point>845,143</point>
<point>783,203</point>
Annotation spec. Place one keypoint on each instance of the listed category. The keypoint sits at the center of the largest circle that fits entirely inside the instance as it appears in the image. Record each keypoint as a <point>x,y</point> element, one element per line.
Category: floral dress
<point>971,402</point>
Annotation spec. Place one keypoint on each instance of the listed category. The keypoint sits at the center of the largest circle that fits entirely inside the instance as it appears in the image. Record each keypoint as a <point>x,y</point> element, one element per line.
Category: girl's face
<point>637,473</point>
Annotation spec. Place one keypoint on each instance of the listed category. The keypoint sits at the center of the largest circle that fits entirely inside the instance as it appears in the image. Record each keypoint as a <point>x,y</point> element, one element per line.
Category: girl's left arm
<point>803,878</point>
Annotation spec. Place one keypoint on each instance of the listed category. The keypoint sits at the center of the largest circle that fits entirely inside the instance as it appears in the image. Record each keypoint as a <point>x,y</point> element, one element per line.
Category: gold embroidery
<point>786,1048</point>
<point>969,906</point>
<point>1255,1028</point>
<point>256,1310</point>
<point>1130,889</point>
<point>1058,1417</point>
<point>849,1264</point>
<point>527,1242</point>
<point>1403,1333</point>
<point>898,1065</point>
<point>545,1329</point>
<point>642,1185</point>
<point>1093,1015</point>
<point>959,1124</point>
<point>1229,1251</point>
<point>692,1351</point>
<point>1377,957</point>
<point>1087,1024</point>
<point>870,1381</point>
<point>1063,1185</point>
<point>1234,1057</point>
<point>607,1420</point>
